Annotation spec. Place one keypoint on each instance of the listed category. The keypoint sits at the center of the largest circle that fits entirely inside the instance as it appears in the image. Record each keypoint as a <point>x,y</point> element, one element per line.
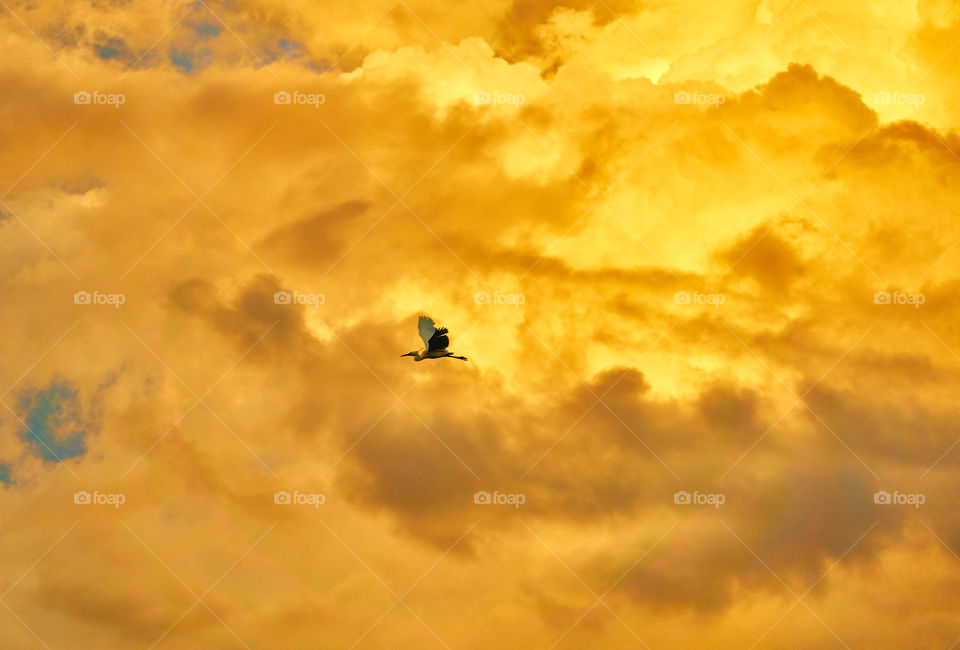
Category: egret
<point>435,339</point>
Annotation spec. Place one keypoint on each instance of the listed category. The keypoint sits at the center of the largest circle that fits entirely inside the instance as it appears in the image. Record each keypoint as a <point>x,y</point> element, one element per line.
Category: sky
<point>702,259</point>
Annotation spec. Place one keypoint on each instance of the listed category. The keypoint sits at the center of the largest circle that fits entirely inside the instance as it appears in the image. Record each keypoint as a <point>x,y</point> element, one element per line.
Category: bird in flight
<point>435,339</point>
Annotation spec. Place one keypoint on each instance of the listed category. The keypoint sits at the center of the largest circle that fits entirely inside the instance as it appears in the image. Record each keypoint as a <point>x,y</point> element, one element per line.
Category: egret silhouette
<point>435,339</point>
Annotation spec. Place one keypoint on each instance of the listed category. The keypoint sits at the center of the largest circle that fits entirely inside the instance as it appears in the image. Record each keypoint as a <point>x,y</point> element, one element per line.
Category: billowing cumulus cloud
<point>702,261</point>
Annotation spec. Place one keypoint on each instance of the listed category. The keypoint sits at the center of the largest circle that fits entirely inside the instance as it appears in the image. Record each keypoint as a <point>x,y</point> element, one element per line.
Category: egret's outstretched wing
<point>425,325</point>
<point>439,340</point>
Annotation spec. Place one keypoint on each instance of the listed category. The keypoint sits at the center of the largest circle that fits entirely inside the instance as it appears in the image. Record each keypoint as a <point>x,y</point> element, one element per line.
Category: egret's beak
<point>408,354</point>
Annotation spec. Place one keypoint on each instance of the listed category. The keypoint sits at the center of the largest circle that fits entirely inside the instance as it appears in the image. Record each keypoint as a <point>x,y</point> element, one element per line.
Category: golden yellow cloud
<point>702,259</point>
